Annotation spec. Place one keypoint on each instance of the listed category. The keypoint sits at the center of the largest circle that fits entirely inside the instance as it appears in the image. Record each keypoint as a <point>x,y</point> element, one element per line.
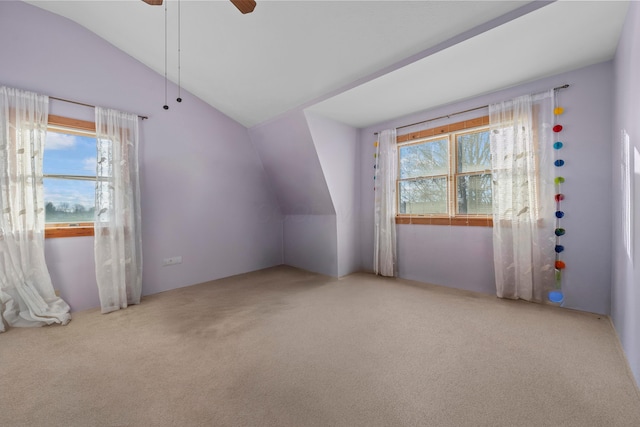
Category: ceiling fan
<point>244,6</point>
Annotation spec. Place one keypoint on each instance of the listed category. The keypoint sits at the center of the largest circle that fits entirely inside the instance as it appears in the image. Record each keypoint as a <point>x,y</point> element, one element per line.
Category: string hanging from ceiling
<point>179,99</point>
<point>165,106</point>
<point>166,80</point>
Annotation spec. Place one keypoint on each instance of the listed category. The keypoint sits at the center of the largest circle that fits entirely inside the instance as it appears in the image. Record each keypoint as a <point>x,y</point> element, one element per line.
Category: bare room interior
<point>263,297</point>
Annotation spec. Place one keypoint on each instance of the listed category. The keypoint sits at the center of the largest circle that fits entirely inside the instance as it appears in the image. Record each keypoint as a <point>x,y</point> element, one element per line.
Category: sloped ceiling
<point>556,38</point>
<point>284,54</point>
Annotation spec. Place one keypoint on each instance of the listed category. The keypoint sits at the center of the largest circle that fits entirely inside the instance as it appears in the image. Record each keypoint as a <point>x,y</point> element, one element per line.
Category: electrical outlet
<point>172,261</point>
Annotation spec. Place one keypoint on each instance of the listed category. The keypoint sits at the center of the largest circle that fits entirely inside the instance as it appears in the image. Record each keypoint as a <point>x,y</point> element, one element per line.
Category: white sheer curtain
<point>27,297</point>
<point>386,173</point>
<point>118,243</point>
<point>523,196</point>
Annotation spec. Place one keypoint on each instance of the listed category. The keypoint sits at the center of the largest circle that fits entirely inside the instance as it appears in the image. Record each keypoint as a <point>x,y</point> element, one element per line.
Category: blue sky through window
<point>67,154</point>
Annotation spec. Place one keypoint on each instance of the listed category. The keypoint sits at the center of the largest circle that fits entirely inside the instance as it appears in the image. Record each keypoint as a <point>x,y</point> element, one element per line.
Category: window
<point>69,170</point>
<point>444,175</point>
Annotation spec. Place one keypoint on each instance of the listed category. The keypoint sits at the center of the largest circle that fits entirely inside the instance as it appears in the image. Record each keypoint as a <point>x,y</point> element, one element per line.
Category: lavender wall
<point>625,292</point>
<point>291,162</point>
<point>204,191</point>
<point>462,257</point>
<point>311,243</point>
<point>337,148</point>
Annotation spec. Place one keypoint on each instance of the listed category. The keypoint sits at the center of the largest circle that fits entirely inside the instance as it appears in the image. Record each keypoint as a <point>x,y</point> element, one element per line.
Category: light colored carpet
<point>283,347</point>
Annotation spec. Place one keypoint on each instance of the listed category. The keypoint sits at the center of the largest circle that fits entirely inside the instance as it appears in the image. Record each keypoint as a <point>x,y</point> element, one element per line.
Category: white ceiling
<point>559,37</point>
<point>288,53</point>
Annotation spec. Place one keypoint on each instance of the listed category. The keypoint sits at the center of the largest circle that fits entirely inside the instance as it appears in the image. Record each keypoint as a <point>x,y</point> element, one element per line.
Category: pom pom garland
<point>556,295</point>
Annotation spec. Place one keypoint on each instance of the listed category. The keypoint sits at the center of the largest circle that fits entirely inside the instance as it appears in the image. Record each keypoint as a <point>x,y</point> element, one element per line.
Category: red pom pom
<point>557,128</point>
<point>560,265</point>
<point>559,197</point>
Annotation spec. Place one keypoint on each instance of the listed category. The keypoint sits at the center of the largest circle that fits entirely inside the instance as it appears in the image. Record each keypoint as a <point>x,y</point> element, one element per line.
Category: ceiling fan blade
<point>153,2</point>
<point>244,6</point>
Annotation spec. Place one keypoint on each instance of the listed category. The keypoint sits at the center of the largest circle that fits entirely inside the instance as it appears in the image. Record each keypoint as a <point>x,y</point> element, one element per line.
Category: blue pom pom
<point>557,145</point>
<point>556,296</point>
<point>559,248</point>
<point>559,214</point>
<point>559,162</point>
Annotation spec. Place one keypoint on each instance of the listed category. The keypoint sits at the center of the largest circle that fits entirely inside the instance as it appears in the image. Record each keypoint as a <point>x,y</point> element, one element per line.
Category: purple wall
<point>462,257</point>
<point>293,169</point>
<point>311,243</point>
<point>625,292</point>
<point>204,191</point>
<point>337,148</point>
<point>291,162</point>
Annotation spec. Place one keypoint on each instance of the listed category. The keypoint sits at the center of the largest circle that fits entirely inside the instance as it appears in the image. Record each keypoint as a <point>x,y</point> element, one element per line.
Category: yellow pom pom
<point>558,110</point>
<point>375,144</point>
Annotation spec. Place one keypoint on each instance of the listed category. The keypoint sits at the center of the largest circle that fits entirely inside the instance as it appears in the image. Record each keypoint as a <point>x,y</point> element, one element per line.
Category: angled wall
<point>337,148</point>
<point>291,164</point>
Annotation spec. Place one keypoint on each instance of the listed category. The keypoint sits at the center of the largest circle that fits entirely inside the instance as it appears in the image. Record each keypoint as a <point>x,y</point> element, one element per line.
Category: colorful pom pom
<point>556,296</point>
<point>558,110</point>
<point>559,197</point>
<point>375,144</point>
<point>560,265</point>
<point>560,231</point>
<point>557,145</point>
<point>557,128</point>
<point>559,162</point>
<point>559,214</point>
<point>559,248</point>
<point>558,180</point>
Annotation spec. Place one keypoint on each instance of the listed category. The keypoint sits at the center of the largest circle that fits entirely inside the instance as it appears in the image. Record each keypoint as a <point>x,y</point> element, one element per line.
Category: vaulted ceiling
<point>288,54</point>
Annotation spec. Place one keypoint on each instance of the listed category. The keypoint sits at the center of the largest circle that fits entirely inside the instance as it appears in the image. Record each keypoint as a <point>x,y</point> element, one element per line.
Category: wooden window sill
<point>428,220</point>
<point>68,231</point>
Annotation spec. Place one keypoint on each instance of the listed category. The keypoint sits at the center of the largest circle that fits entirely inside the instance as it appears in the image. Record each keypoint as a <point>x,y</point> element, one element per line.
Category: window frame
<point>452,217</point>
<point>70,229</point>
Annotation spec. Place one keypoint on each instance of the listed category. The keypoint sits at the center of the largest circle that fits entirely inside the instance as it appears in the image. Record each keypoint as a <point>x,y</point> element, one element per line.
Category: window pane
<point>474,194</point>
<point>68,200</point>
<point>67,154</point>
<point>474,153</point>
<point>427,159</point>
<point>423,196</point>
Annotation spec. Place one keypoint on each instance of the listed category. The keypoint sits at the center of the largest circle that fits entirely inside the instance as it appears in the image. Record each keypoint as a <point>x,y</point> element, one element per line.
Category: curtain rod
<point>86,105</point>
<point>459,112</point>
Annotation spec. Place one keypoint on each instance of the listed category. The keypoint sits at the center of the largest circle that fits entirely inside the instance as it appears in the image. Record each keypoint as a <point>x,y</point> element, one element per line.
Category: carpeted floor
<point>283,347</point>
